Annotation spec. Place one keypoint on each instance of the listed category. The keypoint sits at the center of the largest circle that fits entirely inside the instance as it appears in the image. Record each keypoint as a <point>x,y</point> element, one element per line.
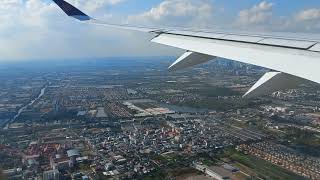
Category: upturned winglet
<point>72,11</point>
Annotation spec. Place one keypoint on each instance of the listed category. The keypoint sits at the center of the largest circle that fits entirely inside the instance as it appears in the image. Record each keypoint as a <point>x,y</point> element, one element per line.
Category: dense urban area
<point>130,118</point>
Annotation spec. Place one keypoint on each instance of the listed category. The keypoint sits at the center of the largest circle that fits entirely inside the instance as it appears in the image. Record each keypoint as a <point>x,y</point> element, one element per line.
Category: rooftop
<point>73,152</point>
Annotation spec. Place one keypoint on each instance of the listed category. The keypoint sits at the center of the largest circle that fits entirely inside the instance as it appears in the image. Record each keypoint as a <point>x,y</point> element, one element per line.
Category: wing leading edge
<point>297,59</point>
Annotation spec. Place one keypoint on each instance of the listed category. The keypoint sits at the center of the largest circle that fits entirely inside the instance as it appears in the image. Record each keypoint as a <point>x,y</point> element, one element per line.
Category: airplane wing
<point>294,60</point>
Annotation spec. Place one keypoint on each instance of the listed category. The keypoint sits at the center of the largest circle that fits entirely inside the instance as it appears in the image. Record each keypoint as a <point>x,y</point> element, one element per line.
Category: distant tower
<point>51,175</point>
<point>56,106</point>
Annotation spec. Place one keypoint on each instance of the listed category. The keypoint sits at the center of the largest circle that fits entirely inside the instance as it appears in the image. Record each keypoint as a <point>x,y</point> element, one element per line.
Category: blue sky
<point>37,29</point>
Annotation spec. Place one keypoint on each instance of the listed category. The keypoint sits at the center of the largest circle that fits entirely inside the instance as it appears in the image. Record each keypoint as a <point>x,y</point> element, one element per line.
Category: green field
<point>260,167</point>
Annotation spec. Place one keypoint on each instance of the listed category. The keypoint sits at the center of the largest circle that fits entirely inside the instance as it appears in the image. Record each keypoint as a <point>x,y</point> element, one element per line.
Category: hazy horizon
<point>38,29</point>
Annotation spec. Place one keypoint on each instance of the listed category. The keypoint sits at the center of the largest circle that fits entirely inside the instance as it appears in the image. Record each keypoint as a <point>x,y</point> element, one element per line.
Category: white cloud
<point>44,12</point>
<point>261,17</point>
<point>94,5</point>
<point>307,20</point>
<point>177,12</point>
<point>256,15</point>
<point>9,4</point>
<point>308,15</point>
<point>38,29</point>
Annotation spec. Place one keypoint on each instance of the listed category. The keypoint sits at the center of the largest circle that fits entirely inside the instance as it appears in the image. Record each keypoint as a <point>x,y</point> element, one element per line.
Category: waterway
<point>43,90</point>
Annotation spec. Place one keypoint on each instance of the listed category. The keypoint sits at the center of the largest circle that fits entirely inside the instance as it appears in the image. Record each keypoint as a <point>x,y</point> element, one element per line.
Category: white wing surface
<point>296,59</point>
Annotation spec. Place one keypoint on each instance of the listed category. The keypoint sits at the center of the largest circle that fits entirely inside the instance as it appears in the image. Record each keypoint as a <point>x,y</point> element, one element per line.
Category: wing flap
<point>287,43</point>
<point>211,35</point>
<point>251,39</point>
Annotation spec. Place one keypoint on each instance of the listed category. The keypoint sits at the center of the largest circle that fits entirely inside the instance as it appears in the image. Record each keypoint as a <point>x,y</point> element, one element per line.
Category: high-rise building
<point>51,175</point>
